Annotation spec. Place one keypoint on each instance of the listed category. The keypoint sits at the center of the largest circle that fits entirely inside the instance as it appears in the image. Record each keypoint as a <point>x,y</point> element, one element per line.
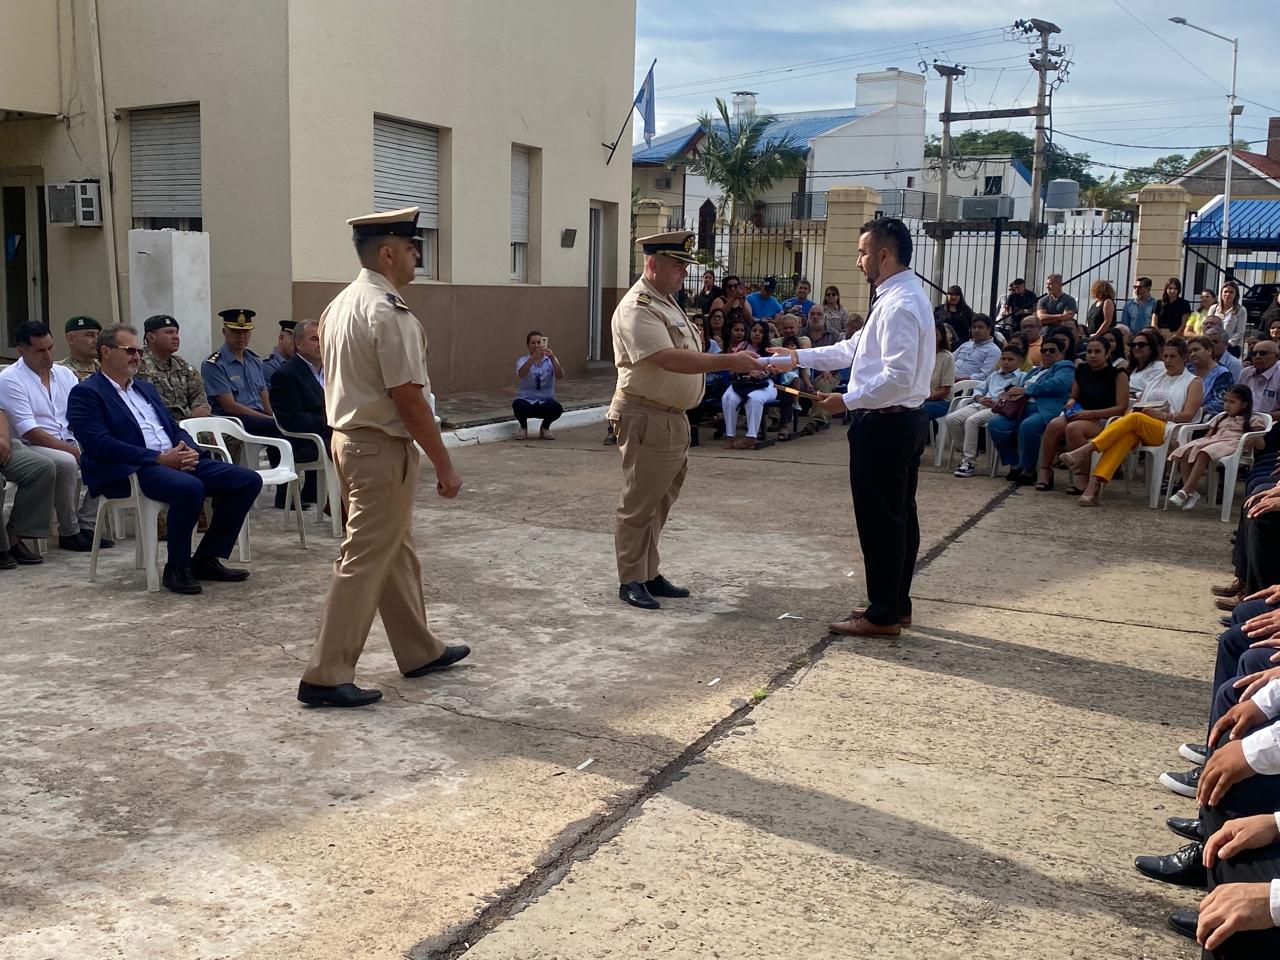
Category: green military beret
<point>158,322</point>
<point>82,323</point>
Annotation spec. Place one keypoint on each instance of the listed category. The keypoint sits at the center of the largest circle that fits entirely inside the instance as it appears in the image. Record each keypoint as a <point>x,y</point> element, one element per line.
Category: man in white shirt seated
<point>34,393</point>
<point>125,428</point>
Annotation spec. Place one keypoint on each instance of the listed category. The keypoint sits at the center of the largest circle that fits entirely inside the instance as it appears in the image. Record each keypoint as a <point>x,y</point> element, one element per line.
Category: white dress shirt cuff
<point>1268,699</point>
<point>1275,898</point>
<point>1262,751</point>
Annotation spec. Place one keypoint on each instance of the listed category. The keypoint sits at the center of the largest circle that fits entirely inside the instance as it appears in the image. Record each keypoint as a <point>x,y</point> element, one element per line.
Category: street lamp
<point>1232,112</point>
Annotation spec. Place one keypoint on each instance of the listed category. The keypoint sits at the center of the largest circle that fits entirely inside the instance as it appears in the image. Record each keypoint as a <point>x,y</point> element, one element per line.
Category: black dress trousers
<point>884,467</point>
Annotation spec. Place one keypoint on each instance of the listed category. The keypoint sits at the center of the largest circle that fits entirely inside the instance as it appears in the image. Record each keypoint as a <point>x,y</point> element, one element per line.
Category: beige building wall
<point>489,74</point>
<point>29,55</point>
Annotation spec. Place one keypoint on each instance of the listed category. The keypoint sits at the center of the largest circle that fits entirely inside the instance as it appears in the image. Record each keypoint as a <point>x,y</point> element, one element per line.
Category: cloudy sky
<point>1134,77</point>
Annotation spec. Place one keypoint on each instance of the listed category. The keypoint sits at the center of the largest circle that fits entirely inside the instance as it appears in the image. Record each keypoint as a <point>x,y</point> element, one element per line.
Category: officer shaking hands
<point>376,385</point>
<point>661,373</point>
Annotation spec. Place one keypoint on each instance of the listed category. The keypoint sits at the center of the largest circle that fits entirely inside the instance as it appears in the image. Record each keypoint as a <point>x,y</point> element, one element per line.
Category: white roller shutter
<point>406,169</point>
<point>519,194</point>
<point>164,161</point>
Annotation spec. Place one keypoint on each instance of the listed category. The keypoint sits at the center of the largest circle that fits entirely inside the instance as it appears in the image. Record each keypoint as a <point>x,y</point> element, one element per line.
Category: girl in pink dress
<point>1196,456</point>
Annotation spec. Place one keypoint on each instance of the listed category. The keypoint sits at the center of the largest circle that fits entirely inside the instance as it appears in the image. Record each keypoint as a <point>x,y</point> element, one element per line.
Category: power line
<point>1140,146</point>
<point>1195,66</point>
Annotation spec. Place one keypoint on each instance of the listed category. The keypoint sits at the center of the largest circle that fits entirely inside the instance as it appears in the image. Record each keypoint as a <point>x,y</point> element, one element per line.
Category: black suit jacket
<point>297,399</point>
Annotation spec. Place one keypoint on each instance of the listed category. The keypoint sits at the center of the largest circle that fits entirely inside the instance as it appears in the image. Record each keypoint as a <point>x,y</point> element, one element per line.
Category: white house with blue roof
<point>878,143</point>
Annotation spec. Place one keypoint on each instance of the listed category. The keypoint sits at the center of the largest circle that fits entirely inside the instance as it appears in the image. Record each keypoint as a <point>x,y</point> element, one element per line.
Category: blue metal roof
<point>1254,223</point>
<point>799,127</point>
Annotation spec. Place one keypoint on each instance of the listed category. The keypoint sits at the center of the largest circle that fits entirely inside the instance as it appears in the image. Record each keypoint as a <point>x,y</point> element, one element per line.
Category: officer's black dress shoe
<point>180,581</point>
<point>1184,867</point>
<point>7,562</point>
<point>638,595</point>
<point>452,654</point>
<point>343,695</point>
<point>23,554</point>
<point>660,586</point>
<point>211,568</point>
<point>1189,827</point>
<point>76,543</point>
<point>1185,920</point>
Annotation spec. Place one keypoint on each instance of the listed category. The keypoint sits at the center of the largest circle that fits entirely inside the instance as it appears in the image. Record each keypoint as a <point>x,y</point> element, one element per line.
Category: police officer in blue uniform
<point>236,383</point>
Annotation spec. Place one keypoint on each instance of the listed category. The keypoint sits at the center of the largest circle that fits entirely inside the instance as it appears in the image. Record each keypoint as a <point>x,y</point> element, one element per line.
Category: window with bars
<point>164,168</point>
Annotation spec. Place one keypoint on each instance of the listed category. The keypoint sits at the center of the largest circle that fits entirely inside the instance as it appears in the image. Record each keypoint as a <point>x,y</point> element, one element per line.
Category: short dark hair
<point>1203,342</point>
<point>892,233</point>
<point>108,336</point>
<point>31,330</point>
<point>980,318</point>
<point>1145,281</point>
<point>367,247</point>
<point>1015,348</point>
<point>1178,344</point>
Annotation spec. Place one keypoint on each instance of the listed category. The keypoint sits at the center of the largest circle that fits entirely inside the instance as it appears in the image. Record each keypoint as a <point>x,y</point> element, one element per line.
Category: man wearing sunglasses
<point>124,428</point>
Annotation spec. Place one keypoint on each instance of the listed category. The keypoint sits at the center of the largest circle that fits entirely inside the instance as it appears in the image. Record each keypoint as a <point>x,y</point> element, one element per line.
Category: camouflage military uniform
<point>81,369</point>
<point>178,383</point>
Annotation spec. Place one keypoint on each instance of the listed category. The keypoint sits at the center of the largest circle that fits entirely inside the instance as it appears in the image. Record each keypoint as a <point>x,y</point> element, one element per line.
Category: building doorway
<point>595,281</point>
<point>22,295</point>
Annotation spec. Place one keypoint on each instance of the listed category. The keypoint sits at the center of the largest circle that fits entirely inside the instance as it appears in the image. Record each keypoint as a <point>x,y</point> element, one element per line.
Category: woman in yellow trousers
<point>1173,397</point>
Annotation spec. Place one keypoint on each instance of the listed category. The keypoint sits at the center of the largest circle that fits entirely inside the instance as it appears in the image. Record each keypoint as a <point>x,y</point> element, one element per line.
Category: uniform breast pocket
<point>359,448</point>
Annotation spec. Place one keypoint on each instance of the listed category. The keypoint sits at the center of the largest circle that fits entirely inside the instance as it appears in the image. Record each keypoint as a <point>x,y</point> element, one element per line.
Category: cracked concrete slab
<point>166,797</point>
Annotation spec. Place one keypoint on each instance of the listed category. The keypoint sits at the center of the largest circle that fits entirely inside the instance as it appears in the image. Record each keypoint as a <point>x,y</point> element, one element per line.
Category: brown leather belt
<point>896,408</point>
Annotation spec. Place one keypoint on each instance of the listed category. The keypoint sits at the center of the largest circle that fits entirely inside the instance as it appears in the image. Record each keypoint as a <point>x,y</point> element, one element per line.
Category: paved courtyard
<point>596,781</point>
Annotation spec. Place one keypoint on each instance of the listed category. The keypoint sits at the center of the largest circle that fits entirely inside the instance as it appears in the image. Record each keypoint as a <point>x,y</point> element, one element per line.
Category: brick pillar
<point>1162,220</point>
<point>649,217</point>
<point>848,208</point>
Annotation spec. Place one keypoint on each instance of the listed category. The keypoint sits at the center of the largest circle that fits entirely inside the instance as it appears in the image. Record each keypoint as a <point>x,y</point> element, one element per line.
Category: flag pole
<point>613,147</point>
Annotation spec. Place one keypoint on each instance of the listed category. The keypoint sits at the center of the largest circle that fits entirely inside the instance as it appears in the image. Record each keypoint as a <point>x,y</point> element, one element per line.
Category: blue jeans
<point>1027,432</point>
<point>936,408</point>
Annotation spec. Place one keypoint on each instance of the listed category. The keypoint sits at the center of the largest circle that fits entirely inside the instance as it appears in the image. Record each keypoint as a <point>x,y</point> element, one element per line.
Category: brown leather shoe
<point>857,613</point>
<point>1228,603</point>
<point>862,627</point>
<point>1232,589</point>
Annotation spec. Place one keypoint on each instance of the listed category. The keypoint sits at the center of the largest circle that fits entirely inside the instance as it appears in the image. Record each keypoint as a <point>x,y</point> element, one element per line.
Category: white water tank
<point>1062,193</point>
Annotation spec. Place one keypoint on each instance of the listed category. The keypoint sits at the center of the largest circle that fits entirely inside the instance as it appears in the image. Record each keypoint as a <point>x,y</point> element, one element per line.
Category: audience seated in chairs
<point>1015,432</point>
<point>1100,392</point>
<point>1173,397</point>
<point>297,397</point>
<point>538,370</point>
<point>970,418</point>
<point>35,477</point>
<point>1146,361</point>
<point>1197,456</point>
<point>33,392</point>
<point>124,429</point>
<point>1215,378</point>
<point>943,377</point>
<point>977,356</point>
<point>754,389</point>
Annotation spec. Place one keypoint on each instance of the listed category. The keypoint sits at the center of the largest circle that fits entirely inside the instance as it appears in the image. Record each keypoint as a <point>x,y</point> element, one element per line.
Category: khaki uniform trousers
<point>377,569</point>
<point>654,444</point>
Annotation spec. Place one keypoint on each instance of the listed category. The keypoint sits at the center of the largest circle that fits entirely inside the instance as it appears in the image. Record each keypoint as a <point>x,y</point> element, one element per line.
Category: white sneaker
<point>966,468</point>
<point>1191,501</point>
<point>1178,498</point>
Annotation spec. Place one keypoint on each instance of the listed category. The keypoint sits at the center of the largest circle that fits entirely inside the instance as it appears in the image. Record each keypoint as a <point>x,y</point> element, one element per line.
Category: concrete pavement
<point>978,787</point>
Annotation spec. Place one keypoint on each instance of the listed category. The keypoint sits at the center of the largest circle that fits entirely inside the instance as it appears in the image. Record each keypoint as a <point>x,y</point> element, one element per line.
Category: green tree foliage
<point>1059,163</point>
<point>736,156</point>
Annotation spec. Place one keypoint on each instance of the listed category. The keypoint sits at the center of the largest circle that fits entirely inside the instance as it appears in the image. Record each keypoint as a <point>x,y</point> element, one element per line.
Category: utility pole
<point>1044,64</point>
<point>944,168</point>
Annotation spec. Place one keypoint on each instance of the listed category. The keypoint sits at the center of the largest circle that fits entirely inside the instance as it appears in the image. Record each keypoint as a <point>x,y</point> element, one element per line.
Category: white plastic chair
<point>146,554</point>
<point>329,474</point>
<point>947,451</point>
<point>220,428</point>
<point>961,390</point>
<point>1230,465</point>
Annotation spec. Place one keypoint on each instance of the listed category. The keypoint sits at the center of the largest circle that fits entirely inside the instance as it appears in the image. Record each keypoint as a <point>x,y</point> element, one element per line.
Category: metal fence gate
<point>984,257</point>
<point>788,253</point>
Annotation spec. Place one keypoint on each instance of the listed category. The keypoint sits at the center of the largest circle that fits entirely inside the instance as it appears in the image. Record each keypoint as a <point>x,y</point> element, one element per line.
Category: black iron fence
<point>787,253</point>
<point>984,257</point>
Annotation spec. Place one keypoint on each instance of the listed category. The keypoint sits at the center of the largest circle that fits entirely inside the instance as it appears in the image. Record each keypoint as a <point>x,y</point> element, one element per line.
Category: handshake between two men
<point>782,359</point>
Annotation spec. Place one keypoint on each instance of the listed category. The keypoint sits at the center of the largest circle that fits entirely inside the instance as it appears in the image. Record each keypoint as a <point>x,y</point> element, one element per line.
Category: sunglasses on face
<point>1048,349</point>
<point>131,351</point>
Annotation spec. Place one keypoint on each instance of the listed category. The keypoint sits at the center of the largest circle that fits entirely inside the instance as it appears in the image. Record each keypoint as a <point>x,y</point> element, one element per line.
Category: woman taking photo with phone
<point>538,370</point>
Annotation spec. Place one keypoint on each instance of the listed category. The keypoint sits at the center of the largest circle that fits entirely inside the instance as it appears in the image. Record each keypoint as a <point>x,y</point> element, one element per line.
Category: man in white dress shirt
<point>34,393</point>
<point>891,361</point>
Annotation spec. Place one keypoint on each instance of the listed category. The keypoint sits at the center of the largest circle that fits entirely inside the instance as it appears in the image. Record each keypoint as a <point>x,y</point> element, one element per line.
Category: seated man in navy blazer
<point>296,392</point>
<point>123,428</point>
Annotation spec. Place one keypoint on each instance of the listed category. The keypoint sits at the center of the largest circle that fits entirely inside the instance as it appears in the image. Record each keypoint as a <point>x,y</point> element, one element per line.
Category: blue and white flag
<point>645,104</point>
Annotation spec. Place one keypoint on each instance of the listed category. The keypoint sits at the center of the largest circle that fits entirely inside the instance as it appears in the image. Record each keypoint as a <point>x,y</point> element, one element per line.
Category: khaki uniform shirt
<point>178,383</point>
<point>82,369</point>
<point>370,342</point>
<point>645,322</point>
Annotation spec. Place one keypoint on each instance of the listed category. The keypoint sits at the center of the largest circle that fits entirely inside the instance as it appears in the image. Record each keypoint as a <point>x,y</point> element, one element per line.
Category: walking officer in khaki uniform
<point>661,373</point>
<point>376,386</point>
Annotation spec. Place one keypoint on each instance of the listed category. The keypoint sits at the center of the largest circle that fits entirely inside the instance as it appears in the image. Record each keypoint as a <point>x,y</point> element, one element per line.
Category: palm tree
<point>736,156</point>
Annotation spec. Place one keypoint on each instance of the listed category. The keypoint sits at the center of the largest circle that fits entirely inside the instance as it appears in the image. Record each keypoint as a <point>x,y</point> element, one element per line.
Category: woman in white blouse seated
<point>1174,396</point>
<point>1145,363</point>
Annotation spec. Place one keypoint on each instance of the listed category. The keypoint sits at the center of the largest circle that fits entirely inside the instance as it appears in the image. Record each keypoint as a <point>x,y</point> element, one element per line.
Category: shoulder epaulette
<point>643,299</point>
<point>213,358</point>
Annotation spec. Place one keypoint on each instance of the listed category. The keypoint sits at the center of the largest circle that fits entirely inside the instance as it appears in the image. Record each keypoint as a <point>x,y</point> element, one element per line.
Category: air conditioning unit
<point>986,208</point>
<point>662,183</point>
<point>74,204</point>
